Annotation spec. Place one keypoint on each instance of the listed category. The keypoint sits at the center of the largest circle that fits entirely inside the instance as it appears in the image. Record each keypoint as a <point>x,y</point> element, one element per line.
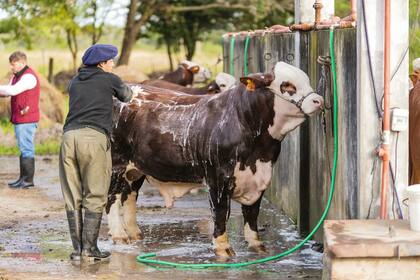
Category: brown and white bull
<point>226,142</point>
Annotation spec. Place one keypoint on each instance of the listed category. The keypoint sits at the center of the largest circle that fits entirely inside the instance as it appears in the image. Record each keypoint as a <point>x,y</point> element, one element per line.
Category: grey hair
<point>17,56</point>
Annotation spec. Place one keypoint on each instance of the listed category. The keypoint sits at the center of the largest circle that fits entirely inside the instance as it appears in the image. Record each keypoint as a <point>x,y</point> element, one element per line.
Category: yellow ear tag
<point>250,85</point>
<point>195,69</point>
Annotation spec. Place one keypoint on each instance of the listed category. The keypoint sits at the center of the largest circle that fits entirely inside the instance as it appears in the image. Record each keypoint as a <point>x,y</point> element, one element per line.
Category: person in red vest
<point>24,89</point>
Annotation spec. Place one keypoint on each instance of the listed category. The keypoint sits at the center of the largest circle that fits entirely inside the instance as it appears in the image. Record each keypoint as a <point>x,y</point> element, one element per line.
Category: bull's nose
<point>318,102</point>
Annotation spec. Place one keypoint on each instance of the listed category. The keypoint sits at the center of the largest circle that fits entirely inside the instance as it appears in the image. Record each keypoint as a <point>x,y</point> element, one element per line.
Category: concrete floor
<point>34,240</point>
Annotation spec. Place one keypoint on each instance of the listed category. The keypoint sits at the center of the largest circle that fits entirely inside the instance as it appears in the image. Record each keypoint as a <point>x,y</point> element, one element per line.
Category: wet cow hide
<point>227,142</point>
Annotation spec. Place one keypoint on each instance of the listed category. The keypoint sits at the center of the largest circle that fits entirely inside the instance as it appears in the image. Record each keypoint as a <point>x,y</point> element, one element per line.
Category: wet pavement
<point>34,240</point>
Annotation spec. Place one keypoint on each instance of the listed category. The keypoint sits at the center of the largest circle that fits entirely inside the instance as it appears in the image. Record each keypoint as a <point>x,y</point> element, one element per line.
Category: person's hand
<point>136,91</point>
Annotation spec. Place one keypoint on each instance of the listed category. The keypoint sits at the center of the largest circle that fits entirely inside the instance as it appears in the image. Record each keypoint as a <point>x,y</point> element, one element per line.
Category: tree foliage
<point>177,23</point>
<point>182,23</point>
<point>32,20</point>
<point>414,37</point>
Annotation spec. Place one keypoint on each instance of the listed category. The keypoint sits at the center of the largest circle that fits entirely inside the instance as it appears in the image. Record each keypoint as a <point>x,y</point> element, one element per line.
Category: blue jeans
<point>25,133</point>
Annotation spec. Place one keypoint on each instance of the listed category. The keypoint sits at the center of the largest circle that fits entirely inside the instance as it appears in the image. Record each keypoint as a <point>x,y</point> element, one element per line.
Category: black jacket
<point>91,92</point>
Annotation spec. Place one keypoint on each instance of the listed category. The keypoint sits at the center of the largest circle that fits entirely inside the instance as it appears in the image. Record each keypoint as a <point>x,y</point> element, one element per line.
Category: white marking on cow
<point>251,237</point>
<point>115,222</point>
<point>130,166</point>
<point>225,81</point>
<point>416,64</point>
<point>248,185</point>
<point>221,245</point>
<point>202,76</point>
<point>129,217</point>
<point>172,190</point>
<point>288,116</point>
<point>284,123</point>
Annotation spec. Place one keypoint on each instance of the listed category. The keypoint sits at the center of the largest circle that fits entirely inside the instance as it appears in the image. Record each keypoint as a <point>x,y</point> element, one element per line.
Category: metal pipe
<point>318,7</point>
<point>386,120</point>
<point>353,10</point>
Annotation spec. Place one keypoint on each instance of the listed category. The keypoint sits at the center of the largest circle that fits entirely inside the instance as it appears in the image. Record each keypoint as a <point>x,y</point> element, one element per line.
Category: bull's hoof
<point>120,240</point>
<point>259,249</point>
<point>136,237</point>
<point>225,252</point>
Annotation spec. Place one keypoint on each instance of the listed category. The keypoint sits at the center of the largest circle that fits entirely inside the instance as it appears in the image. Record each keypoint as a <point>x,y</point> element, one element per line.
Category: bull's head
<point>190,66</point>
<point>225,81</point>
<point>292,84</point>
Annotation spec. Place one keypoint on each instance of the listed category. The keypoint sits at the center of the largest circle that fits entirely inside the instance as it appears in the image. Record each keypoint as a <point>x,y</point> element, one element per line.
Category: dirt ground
<point>35,244</point>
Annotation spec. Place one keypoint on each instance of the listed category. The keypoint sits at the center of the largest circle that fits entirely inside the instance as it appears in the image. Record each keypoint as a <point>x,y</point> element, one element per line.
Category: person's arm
<point>121,90</point>
<point>28,81</point>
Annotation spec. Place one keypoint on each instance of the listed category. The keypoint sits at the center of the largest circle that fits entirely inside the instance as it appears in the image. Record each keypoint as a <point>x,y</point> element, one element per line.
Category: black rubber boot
<point>75,225</point>
<point>91,225</point>
<point>19,180</point>
<point>28,168</point>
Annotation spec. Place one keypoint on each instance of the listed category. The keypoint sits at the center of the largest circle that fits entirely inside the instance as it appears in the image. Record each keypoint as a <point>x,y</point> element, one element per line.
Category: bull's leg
<point>250,214</point>
<point>130,209</point>
<point>116,223</point>
<point>129,217</point>
<point>220,206</point>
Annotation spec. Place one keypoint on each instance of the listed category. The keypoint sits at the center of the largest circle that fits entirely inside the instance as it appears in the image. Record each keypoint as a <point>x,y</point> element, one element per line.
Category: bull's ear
<point>213,88</point>
<point>194,69</point>
<point>249,82</point>
<point>258,80</point>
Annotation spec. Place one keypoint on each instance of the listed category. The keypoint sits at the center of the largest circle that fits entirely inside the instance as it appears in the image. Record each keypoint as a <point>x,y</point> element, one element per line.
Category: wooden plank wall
<point>301,176</point>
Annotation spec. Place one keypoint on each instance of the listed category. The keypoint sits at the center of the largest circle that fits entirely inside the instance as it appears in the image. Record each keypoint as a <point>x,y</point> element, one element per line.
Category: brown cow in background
<point>222,82</point>
<point>414,124</point>
<point>186,74</point>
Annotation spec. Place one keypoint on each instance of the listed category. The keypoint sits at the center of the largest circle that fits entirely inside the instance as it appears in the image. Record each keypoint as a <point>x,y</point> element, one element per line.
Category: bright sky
<point>118,13</point>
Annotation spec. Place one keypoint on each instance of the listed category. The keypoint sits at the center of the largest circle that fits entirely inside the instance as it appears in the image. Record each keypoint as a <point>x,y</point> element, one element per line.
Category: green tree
<point>30,20</point>
<point>190,20</point>
<point>414,33</point>
<point>185,22</point>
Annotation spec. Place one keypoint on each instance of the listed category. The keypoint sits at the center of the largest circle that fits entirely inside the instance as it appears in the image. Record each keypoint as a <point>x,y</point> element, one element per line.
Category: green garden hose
<point>146,258</point>
<point>231,54</point>
<point>246,55</point>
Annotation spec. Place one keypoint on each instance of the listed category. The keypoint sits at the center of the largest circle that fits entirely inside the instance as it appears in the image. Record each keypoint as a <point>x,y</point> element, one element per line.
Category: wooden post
<point>50,69</point>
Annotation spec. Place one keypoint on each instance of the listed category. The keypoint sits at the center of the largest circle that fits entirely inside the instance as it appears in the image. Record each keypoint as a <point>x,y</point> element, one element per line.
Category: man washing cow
<point>85,154</point>
<point>24,89</point>
<point>227,142</point>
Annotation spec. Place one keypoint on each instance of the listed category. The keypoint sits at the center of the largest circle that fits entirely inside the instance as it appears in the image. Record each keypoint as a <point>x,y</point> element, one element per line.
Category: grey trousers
<point>85,169</point>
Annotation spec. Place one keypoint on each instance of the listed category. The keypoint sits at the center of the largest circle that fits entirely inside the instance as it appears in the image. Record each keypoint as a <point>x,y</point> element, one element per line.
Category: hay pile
<point>129,74</point>
<point>61,79</point>
<point>52,103</point>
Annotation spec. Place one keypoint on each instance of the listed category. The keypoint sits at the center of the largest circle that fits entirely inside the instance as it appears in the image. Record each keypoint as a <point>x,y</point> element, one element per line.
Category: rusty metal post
<point>318,7</point>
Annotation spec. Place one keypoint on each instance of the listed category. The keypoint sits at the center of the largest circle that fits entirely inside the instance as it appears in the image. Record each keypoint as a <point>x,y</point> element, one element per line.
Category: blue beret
<point>98,53</point>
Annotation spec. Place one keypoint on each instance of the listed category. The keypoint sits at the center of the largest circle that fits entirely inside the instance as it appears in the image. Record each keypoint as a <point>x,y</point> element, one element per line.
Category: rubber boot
<point>28,168</point>
<point>19,180</point>
<point>91,225</point>
<point>75,220</point>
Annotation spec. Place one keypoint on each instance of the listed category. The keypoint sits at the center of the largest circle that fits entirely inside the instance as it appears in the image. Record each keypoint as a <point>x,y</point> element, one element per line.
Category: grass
<point>50,147</point>
<point>146,57</point>
<point>6,126</point>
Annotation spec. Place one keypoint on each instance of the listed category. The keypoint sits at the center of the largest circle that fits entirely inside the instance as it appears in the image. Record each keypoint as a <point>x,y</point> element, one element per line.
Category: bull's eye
<point>222,85</point>
<point>288,87</point>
